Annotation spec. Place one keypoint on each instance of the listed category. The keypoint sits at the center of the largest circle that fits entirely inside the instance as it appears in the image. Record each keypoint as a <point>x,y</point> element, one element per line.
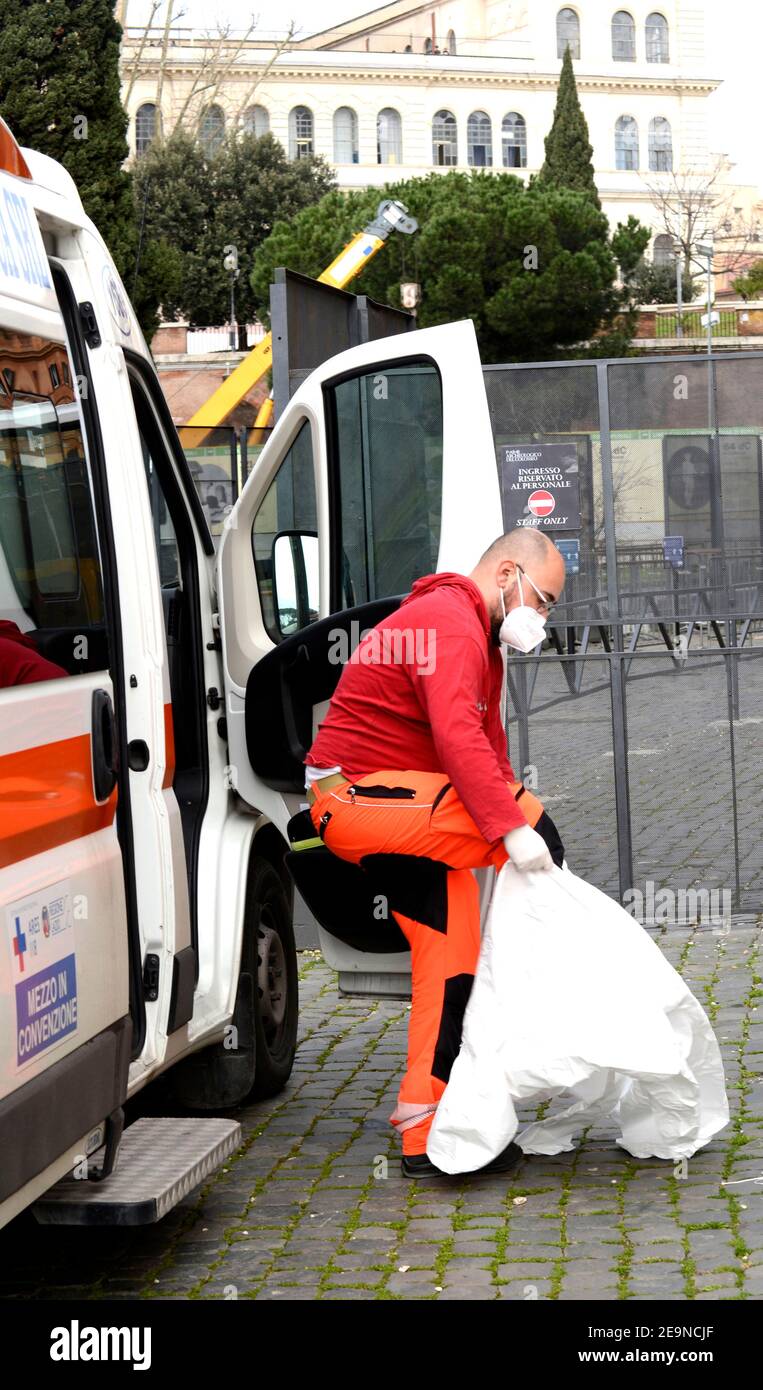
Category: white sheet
<point>572,996</point>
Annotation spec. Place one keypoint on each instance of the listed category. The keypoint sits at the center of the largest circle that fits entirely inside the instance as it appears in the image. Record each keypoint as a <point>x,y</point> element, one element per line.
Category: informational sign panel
<point>540,486</point>
<point>570,550</point>
<point>673,551</point>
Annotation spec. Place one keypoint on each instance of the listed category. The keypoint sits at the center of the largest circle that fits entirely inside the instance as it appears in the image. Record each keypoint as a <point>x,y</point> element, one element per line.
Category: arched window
<point>345,135</point>
<point>479,140</point>
<point>444,138</point>
<point>657,42</point>
<point>300,133</point>
<point>514,141</point>
<point>256,121</point>
<point>212,129</point>
<point>452,43</point>
<point>623,37</point>
<point>389,137</point>
<point>567,33</point>
<point>663,251</point>
<point>626,143</point>
<point>146,126</point>
<point>427,45</point>
<point>660,144</point>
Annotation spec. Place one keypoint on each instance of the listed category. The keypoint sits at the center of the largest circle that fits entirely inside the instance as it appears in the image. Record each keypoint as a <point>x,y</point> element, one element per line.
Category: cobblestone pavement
<point>314,1205</point>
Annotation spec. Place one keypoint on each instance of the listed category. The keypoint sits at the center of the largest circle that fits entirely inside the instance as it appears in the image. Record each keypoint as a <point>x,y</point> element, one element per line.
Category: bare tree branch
<point>155,6</point>
<point>696,203</point>
<point>281,47</point>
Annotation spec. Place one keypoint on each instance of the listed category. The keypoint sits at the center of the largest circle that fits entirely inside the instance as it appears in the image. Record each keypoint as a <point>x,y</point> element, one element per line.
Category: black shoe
<point>420,1166</point>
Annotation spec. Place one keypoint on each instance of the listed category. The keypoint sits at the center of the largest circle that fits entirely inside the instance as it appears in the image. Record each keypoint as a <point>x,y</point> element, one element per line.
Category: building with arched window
<point>212,129</point>
<point>444,139</point>
<point>256,120</point>
<point>389,137</point>
<point>567,33</point>
<point>660,145</point>
<point>657,39</point>
<point>626,143</point>
<point>146,126</point>
<point>623,37</point>
<point>345,135</point>
<point>301,133</point>
<point>479,140</point>
<point>663,250</point>
<point>458,84</point>
<point>514,141</point>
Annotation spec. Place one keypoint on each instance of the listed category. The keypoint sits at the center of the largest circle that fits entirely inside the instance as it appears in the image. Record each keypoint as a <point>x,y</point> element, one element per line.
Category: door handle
<point>103,743</point>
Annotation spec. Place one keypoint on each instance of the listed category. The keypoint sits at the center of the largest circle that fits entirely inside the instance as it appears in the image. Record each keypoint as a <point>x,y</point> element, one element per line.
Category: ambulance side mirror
<point>295,580</point>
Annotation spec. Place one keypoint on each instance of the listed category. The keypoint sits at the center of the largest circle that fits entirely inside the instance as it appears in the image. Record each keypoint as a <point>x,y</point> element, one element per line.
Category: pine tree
<point>568,162</point>
<point>471,258</point>
<point>60,94</point>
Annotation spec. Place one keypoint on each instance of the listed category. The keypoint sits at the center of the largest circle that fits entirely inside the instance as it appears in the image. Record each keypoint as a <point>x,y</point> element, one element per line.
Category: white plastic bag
<point>572,996</point>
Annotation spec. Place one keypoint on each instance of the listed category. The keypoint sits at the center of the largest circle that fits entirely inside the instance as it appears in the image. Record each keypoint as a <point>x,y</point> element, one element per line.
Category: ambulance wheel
<point>272,959</point>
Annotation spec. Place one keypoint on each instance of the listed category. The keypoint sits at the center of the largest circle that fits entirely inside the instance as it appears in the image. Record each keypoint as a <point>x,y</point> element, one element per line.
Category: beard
<point>496,623</point>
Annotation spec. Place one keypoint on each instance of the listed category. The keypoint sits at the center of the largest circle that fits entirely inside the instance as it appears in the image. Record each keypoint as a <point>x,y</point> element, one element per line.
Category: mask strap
<point>521,595</point>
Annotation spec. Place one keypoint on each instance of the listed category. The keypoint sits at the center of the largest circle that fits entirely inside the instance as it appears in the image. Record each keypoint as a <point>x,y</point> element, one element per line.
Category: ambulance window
<point>288,505</point>
<point>51,598</point>
<point>387,467</point>
<point>165,539</point>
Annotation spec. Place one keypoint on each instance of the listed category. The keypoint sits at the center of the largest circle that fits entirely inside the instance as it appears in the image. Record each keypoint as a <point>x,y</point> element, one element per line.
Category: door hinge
<point>151,978</point>
<point>89,324</point>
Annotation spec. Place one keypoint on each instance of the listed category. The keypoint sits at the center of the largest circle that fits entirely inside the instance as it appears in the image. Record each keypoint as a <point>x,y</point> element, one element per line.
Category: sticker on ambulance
<point>116,300</point>
<point>44,970</point>
<point>24,270</point>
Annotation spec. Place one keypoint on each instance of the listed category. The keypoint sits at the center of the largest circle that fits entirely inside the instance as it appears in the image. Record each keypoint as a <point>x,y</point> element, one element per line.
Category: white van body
<point>138,844</point>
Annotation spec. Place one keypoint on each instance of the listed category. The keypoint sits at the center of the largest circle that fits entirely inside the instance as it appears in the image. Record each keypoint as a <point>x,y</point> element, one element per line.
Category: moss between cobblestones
<point>622,1265</point>
<point>625,1259</point>
<point>739,1138</point>
<point>288,1229</point>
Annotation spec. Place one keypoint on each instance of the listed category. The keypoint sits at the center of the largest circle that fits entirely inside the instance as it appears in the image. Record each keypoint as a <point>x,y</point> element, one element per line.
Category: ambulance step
<point>365,984</point>
<point>160,1161</point>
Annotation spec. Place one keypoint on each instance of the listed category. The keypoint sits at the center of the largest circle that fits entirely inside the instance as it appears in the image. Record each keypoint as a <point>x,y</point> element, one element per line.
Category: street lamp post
<point>230,263</point>
<point>705,249</point>
<point>679,289</point>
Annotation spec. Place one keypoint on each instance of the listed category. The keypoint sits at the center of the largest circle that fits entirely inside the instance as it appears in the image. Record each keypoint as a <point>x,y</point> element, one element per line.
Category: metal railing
<point>666,323</point>
<point>666,447</point>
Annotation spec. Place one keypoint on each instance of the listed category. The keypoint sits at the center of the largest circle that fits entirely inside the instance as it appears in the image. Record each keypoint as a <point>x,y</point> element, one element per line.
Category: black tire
<point>270,957</point>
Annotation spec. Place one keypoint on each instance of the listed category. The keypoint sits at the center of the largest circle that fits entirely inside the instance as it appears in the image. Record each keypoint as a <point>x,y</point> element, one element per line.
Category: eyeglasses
<point>547,604</point>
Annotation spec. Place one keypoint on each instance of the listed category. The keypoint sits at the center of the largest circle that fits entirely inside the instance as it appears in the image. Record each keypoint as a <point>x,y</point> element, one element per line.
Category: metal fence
<point>666,323</point>
<point>221,460</point>
<point>643,712</point>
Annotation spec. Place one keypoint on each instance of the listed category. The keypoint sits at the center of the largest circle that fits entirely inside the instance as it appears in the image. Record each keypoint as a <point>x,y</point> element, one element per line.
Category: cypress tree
<point>568,162</point>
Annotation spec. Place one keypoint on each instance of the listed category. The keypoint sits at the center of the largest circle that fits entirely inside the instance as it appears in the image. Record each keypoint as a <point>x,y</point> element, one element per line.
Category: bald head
<point>524,549</point>
<point>526,544</point>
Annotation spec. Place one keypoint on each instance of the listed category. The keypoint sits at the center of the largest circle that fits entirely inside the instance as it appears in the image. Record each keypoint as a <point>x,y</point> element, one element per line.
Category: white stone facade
<point>505,61</point>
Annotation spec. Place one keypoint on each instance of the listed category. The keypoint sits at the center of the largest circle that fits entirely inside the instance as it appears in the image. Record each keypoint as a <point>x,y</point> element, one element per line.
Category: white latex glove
<point>527,849</point>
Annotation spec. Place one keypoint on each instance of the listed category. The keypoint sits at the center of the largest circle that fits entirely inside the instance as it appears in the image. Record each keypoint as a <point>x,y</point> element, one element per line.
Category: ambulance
<point>157,699</point>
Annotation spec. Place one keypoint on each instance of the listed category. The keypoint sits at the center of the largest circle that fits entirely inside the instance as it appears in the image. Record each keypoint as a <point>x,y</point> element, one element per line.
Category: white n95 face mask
<point>522,627</point>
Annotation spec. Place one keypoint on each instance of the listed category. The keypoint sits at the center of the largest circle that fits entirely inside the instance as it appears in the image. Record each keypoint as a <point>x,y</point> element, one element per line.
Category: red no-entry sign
<point>541,503</point>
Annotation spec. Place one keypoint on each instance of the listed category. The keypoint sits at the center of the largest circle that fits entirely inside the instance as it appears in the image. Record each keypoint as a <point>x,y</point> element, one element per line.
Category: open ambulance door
<point>380,470</point>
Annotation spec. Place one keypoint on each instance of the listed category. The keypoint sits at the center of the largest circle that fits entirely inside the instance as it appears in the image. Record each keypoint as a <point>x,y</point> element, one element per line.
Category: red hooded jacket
<point>422,691</point>
<point>20,661</point>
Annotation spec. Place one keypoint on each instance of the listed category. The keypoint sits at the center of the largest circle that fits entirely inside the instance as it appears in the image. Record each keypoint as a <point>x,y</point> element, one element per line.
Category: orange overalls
<point>417,819</point>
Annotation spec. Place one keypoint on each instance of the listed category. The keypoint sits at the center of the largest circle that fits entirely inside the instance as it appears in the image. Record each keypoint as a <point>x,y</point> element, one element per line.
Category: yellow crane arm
<point>349,263</point>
